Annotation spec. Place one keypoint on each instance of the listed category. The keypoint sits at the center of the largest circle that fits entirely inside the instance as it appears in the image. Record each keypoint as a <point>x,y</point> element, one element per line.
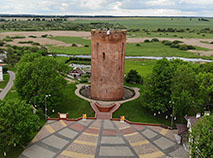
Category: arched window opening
<point>103,56</point>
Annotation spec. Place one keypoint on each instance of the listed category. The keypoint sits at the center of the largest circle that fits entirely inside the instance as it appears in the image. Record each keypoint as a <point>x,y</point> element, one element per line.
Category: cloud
<point>109,7</point>
<point>159,2</point>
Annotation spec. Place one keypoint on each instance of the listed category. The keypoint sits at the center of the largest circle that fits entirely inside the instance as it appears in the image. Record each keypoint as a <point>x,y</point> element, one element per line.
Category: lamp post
<point>46,96</point>
<point>172,115</point>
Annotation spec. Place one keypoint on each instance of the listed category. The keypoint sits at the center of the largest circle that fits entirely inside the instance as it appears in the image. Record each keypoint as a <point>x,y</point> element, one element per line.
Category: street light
<point>172,115</point>
<point>46,96</point>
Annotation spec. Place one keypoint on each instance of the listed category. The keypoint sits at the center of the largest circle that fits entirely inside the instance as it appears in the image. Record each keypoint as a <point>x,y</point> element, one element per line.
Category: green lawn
<point>145,49</point>
<point>74,105</point>
<point>135,112</point>
<point>6,78</point>
<point>142,66</point>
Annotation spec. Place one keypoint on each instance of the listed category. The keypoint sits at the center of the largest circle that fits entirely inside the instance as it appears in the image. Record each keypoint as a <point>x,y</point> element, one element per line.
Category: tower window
<point>103,56</point>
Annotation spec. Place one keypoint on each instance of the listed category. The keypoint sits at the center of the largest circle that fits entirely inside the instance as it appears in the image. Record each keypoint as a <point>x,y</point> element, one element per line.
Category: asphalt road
<point>9,85</point>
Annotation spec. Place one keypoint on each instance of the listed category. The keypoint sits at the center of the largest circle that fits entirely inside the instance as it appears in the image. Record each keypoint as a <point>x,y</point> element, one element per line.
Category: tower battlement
<point>109,35</point>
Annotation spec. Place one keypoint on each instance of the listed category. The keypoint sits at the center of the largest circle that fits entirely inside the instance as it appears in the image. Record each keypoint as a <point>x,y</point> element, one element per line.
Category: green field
<point>152,24</point>
<point>145,49</point>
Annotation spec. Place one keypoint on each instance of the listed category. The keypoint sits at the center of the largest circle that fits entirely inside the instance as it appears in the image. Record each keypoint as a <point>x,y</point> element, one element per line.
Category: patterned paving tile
<point>68,133</point>
<point>58,125</point>
<point>71,154</point>
<point>135,138</point>
<point>77,127</point>
<point>129,130</point>
<point>121,125</point>
<point>110,132</point>
<point>164,143</point>
<point>82,148</point>
<point>145,149</point>
<point>92,131</point>
<point>115,151</point>
<point>108,124</point>
<point>148,133</point>
<point>55,142</point>
<point>112,140</point>
<point>87,138</point>
<point>36,151</point>
<point>85,122</point>
<point>42,133</point>
<point>139,127</point>
<point>96,124</point>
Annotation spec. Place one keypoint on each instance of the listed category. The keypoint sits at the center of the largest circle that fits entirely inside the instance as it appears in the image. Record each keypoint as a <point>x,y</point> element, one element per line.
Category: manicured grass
<point>142,66</point>
<point>6,78</point>
<point>135,112</point>
<point>74,105</point>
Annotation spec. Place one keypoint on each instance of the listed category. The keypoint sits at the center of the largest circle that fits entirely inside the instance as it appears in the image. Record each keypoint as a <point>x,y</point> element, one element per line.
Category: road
<point>9,85</point>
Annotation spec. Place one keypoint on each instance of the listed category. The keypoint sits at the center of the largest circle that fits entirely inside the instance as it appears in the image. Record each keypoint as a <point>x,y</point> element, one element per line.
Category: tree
<point>205,88</point>
<point>157,86</point>
<point>133,77</point>
<point>38,76</point>
<point>184,90</point>
<point>17,123</point>
<point>201,138</point>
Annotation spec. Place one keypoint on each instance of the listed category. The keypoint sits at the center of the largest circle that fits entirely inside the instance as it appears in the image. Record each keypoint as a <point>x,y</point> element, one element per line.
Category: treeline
<point>40,25</point>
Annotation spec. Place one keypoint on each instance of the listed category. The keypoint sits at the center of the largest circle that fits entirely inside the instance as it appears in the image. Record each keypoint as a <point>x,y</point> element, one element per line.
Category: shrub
<point>5,69</point>
<point>211,42</point>
<point>166,42</point>
<point>183,47</point>
<point>177,42</point>
<point>155,40</point>
<point>174,45</point>
<point>203,35</point>
<point>44,35</point>
<point>86,45</point>
<point>138,44</point>
<point>190,47</point>
<point>32,36</point>
<point>35,43</point>
<point>74,45</point>
<point>146,41</point>
<point>134,78</point>
<point>23,42</point>
<point>1,43</point>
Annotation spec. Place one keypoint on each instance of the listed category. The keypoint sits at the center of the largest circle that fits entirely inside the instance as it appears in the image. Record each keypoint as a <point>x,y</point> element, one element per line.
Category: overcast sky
<point>109,7</point>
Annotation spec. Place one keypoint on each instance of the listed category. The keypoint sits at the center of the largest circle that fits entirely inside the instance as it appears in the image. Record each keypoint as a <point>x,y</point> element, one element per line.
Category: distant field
<point>145,49</point>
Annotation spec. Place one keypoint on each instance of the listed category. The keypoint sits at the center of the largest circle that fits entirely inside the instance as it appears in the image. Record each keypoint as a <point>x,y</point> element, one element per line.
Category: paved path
<point>105,115</point>
<point>102,139</point>
<point>9,85</point>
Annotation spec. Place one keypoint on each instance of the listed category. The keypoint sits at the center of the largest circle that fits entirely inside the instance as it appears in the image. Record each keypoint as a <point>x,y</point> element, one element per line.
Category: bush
<point>166,42</point>
<point>174,45</point>
<point>183,47</point>
<point>31,36</point>
<point>177,42</point>
<point>74,45</point>
<point>44,35</point>
<point>155,40</point>
<point>35,43</point>
<point>211,42</point>
<point>23,42</point>
<point>1,43</point>
<point>146,41</point>
<point>5,69</point>
<point>191,47</point>
<point>86,45</point>
<point>134,78</point>
<point>138,44</point>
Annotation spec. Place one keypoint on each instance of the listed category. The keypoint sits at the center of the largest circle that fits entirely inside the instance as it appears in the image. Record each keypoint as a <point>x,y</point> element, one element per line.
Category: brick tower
<point>107,64</point>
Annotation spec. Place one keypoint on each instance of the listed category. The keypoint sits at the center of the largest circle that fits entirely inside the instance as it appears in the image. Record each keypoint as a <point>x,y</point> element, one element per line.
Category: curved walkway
<point>102,139</point>
<point>105,115</point>
<point>9,85</point>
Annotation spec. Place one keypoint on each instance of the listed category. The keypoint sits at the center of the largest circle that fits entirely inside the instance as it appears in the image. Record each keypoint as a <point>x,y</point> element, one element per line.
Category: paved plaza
<point>102,139</point>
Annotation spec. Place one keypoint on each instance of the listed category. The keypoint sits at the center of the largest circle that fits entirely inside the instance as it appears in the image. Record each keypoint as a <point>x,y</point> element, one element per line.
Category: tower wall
<point>107,64</point>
